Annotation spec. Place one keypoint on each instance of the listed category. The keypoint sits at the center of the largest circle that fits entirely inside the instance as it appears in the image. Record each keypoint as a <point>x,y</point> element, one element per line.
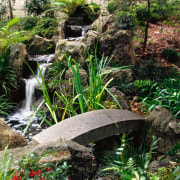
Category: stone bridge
<point>92,126</point>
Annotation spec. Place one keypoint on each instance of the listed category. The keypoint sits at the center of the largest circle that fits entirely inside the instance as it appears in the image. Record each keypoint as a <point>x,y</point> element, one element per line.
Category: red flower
<point>48,169</point>
<point>32,173</point>
<point>39,172</point>
<point>16,177</point>
<point>41,179</point>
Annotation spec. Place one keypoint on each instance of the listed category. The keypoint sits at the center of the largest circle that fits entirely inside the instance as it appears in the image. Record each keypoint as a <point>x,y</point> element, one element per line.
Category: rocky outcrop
<point>77,51</point>
<point>162,124</point>
<point>16,55</point>
<point>80,158</point>
<point>9,137</point>
<point>118,45</point>
<point>40,45</point>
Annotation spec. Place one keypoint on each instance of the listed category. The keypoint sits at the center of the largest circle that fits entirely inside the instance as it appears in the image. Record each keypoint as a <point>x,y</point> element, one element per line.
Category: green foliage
<point>55,72</point>
<point>125,20</point>
<point>149,70</point>
<point>91,10</point>
<point>170,54</point>
<point>125,165</point>
<point>7,77</point>
<point>5,166</point>
<point>144,87</point>
<point>111,7</point>
<point>5,106</point>
<point>69,6</point>
<point>9,36</point>
<point>31,168</point>
<point>166,95</point>
<point>36,7</point>
<point>45,27</point>
<point>29,22</point>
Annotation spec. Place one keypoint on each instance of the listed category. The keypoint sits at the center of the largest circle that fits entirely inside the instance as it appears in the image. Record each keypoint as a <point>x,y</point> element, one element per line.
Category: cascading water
<point>20,119</point>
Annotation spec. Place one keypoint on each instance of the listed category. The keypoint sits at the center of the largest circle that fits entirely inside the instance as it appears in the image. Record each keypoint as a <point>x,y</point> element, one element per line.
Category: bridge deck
<point>92,126</point>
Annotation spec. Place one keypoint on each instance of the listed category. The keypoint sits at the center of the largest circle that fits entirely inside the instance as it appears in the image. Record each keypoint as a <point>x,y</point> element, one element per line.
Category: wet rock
<point>73,31</point>
<point>10,137</point>
<point>163,125</point>
<point>17,54</point>
<point>39,45</point>
<point>80,158</point>
<point>77,51</point>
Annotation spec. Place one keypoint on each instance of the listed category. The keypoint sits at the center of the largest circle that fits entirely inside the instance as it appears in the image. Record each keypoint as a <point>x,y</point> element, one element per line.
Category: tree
<point>10,9</point>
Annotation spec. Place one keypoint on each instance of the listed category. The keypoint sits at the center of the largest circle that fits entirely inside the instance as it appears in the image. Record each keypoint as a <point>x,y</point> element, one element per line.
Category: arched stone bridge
<point>92,126</point>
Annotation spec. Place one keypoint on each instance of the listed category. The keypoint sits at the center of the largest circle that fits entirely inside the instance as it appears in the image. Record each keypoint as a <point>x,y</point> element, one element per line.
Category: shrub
<point>45,27</point>
<point>91,10</point>
<point>35,7</point>
<point>29,23</point>
<point>125,20</point>
<point>111,7</point>
<point>7,77</point>
<point>170,54</point>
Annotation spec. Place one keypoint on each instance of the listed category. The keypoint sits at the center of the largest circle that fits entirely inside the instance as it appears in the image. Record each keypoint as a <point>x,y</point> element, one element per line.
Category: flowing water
<point>19,120</point>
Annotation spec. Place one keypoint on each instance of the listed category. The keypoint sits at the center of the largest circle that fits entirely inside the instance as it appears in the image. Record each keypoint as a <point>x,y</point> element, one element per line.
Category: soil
<point>160,36</point>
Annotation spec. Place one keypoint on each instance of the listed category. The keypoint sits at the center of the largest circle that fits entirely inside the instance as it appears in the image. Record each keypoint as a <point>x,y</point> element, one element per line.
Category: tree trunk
<point>10,10</point>
<point>147,26</point>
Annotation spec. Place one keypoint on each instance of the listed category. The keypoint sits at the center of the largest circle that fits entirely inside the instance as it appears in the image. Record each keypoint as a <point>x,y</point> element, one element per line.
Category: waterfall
<point>19,120</point>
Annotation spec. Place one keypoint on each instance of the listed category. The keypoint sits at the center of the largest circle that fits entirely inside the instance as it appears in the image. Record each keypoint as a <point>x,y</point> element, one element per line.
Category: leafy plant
<point>69,6</point>
<point>111,7</point>
<point>36,7</point>
<point>8,80</point>
<point>45,27</point>
<point>125,20</point>
<point>91,10</point>
<point>29,23</point>
<point>170,55</point>
<point>123,164</point>
<point>5,167</point>
<point>166,95</point>
<point>30,167</point>
<point>8,37</point>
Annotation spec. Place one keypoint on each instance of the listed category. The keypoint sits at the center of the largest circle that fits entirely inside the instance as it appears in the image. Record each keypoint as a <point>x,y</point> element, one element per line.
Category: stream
<point>20,119</point>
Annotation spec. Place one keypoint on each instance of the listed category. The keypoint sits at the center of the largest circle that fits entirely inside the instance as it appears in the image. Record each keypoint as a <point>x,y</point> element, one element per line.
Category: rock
<point>73,31</point>
<point>120,98</point>
<point>59,32</point>
<point>77,51</point>
<point>163,125</point>
<point>80,158</point>
<point>102,23</point>
<point>118,75</point>
<point>118,45</point>
<point>16,55</point>
<point>90,39</point>
<point>40,45</point>
<point>10,137</point>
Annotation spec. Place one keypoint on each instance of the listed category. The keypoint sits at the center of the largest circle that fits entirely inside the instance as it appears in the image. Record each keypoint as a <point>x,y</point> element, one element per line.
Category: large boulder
<point>162,124</point>
<point>16,55</point>
<point>118,45</point>
<point>40,45</point>
<point>10,137</point>
<point>77,51</point>
<point>81,159</point>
